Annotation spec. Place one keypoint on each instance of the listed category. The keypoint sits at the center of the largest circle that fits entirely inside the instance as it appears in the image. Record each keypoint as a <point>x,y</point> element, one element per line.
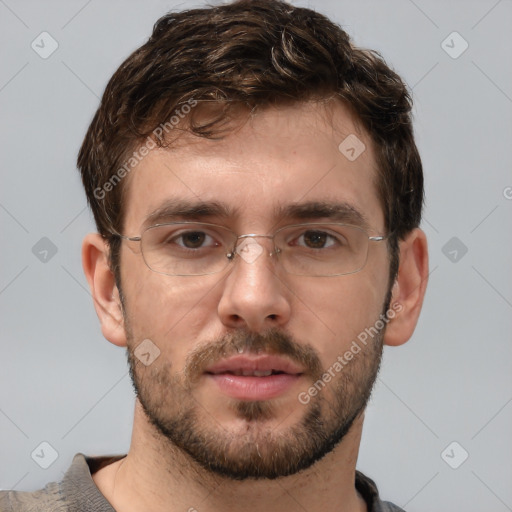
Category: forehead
<point>267,166</point>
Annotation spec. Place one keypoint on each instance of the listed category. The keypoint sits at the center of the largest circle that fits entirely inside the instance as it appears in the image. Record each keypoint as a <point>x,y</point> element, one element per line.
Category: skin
<point>280,156</point>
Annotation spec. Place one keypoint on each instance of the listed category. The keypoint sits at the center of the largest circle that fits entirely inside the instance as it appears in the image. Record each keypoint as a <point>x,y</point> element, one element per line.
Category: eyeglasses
<point>198,249</point>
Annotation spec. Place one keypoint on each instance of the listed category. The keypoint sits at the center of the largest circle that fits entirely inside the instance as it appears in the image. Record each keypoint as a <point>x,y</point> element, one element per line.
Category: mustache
<point>273,342</point>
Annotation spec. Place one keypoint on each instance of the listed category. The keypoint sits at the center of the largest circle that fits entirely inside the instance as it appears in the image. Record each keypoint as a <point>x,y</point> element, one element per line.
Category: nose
<point>254,295</point>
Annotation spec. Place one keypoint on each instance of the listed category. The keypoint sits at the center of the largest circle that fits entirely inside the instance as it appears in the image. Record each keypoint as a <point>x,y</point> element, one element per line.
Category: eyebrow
<point>333,211</point>
<point>173,210</point>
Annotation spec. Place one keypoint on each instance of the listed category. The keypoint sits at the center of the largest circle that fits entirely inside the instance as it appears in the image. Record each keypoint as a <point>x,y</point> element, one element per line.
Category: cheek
<point>172,312</point>
<point>331,318</point>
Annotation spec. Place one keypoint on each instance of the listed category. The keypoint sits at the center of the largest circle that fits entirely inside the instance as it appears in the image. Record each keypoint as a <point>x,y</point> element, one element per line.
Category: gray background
<point>63,384</point>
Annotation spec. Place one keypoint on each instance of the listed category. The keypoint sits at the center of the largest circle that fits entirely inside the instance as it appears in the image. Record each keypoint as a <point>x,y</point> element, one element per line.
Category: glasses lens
<point>322,249</point>
<point>187,249</point>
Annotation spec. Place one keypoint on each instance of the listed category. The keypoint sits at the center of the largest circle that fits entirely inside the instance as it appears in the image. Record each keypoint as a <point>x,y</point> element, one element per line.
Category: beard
<point>255,447</point>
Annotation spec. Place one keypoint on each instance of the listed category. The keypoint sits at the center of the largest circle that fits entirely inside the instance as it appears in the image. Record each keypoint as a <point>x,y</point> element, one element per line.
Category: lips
<point>259,366</point>
<point>254,378</point>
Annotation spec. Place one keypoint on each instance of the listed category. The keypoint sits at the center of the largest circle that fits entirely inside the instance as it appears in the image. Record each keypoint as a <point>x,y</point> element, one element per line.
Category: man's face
<point>253,316</point>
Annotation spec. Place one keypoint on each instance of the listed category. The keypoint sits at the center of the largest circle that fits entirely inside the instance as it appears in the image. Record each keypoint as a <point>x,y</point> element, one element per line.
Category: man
<point>257,192</point>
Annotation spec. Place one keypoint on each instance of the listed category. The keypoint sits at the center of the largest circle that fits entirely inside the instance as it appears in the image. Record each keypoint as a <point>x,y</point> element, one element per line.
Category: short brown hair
<point>254,53</point>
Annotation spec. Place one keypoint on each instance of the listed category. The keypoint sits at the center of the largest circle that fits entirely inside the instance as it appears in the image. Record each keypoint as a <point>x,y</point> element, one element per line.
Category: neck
<point>157,476</point>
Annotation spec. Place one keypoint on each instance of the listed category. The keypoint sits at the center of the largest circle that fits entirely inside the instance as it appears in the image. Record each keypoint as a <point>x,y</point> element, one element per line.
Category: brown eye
<point>315,239</point>
<point>193,240</point>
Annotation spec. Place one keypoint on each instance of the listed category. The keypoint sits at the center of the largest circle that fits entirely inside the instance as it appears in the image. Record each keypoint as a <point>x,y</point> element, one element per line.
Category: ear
<point>95,261</point>
<point>409,288</point>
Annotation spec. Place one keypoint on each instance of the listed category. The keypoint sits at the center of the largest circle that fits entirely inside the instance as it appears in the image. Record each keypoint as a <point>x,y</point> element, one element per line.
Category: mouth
<point>249,373</point>
<point>254,378</point>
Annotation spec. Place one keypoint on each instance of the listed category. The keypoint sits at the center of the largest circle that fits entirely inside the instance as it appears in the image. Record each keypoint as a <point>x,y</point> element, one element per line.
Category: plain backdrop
<point>445,395</point>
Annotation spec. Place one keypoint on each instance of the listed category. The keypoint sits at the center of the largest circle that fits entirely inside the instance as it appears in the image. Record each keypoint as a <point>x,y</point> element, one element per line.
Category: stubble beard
<point>254,450</point>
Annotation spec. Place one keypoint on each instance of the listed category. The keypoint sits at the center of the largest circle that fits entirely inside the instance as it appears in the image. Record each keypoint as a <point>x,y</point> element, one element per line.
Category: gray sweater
<point>77,492</point>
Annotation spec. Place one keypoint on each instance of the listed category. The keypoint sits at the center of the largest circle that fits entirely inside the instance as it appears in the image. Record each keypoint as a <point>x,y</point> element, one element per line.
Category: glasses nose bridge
<point>255,235</point>
<point>241,238</point>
